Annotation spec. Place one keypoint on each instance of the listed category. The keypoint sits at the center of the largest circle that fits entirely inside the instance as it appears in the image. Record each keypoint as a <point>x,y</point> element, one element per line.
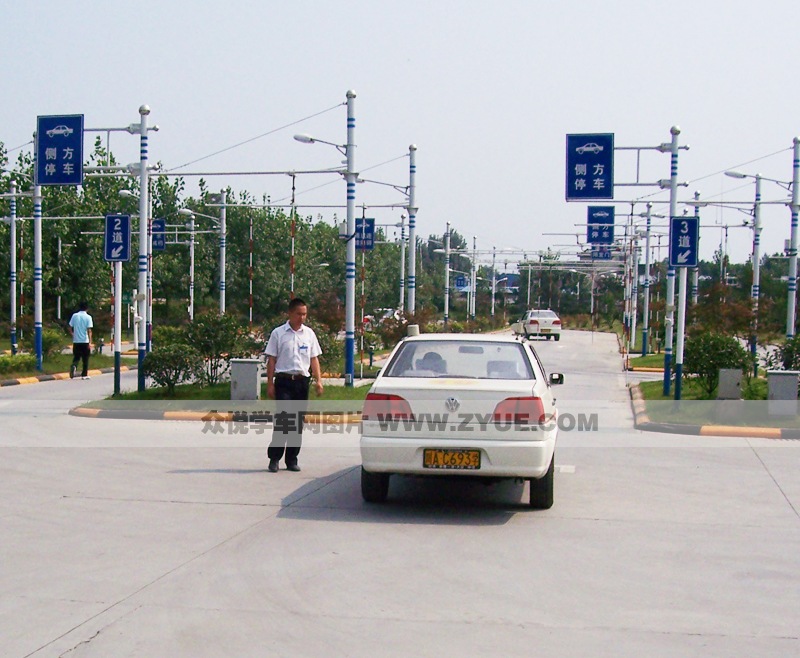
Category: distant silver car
<point>464,405</point>
<point>538,323</point>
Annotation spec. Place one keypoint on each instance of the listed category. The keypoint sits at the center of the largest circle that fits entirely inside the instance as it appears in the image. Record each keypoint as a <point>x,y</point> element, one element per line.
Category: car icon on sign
<point>66,131</point>
<point>591,147</point>
<point>601,213</point>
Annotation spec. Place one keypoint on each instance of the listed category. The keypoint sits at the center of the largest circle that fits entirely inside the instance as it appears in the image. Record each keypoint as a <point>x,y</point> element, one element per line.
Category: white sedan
<point>461,405</point>
<point>542,323</point>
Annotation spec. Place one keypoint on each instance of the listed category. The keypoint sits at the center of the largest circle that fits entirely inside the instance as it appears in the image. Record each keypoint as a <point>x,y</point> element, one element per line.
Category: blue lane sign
<point>684,234</point>
<point>590,167</point>
<point>461,282</point>
<point>600,225</point>
<point>118,238</point>
<point>365,233</point>
<point>601,253</point>
<point>158,227</point>
<point>59,150</point>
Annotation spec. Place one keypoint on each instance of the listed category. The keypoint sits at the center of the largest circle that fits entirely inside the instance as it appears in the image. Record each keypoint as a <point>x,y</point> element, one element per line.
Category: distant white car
<point>66,131</point>
<point>538,323</point>
<point>591,147</point>
<point>464,405</point>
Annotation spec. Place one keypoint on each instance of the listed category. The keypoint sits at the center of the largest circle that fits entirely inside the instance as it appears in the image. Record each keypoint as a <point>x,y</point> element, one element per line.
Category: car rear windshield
<point>543,314</point>
<point>467,359</point>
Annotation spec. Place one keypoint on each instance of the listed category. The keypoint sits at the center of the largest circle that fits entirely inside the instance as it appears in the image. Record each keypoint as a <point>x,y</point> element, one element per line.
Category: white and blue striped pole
<point>447,276</point>
<point>756,290</point>
<point>37,273</point>
<point>635,288</point>
<point>669,320</point>
<point>12,271</point>
<point>646,285</point>
<point>222,245</point>
<point>350,258</point>
<point>412,228</point>
<point>402,306</point>
<point>191,268</point>
<point>117,325</point>
<point>144,110</point>
<point>696,270</point>
<point>790,307</point>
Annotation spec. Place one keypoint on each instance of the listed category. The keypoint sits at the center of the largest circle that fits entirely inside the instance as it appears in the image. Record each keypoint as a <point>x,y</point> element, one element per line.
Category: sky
<point>486,91</point>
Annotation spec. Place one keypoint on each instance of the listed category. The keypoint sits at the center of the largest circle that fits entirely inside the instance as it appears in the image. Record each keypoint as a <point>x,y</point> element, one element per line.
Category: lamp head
<point>735,174</point>
<point>185,212</point>
<point>304,138</point>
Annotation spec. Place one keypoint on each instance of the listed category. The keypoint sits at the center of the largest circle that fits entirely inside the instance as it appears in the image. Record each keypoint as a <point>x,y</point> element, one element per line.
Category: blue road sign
<point>590,167</point>
<point>600,225</point>
<point>684,241</point>
<point>158,228</point>
<point>118,238</point>
<point>601,253</point>
<point>365,233</point>
<point>59,150</point>
<point>461,282</point>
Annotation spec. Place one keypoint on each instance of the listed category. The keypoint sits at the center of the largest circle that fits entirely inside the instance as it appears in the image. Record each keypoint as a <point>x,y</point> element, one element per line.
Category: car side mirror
<point>556,378</point>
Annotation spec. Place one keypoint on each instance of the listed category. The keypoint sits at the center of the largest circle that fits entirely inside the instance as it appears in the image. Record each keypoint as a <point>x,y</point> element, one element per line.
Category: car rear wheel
<point>557,336</point>
<point>541,496</point>
<point>374,486</point>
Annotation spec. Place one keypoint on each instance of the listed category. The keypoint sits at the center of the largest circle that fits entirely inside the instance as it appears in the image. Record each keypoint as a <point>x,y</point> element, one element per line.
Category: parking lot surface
<point>160,538</point>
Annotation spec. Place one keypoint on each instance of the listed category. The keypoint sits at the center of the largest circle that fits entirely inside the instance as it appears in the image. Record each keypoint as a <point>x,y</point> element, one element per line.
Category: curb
<point>641,421</point>
<point>332,418</point>
<point>60,375</point>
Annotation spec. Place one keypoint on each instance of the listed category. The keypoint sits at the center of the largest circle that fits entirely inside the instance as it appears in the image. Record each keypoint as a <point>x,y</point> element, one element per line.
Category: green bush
<point>706,353</point>
<point>53,341</point>
<point>785,356</point>
<point>16,363</point>
<point>218,339</point>
<point>332,349</point>
<point>164,336</point>
<point>171,365</point>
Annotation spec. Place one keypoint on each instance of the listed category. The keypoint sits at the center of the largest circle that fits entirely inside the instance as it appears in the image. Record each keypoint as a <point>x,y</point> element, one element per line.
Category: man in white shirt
<point>80,326</point>
<point>292,350</point>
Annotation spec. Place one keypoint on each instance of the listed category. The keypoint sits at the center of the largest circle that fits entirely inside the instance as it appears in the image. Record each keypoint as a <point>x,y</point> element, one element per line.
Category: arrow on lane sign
<point>683,257</point>
<point>116,251</point>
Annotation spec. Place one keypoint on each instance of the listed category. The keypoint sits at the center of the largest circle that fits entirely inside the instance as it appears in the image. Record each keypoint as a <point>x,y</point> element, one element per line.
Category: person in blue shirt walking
<point>80,326</point>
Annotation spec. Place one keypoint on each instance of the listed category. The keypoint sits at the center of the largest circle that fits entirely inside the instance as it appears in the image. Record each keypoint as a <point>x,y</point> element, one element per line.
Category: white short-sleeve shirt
<point>293,349</point>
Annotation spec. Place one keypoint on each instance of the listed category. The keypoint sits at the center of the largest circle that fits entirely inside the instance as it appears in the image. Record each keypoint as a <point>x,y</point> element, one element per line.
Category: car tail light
<point>380,406</point>
<point>520,411</point>
<point>558,322</point>
<point>533,322</point>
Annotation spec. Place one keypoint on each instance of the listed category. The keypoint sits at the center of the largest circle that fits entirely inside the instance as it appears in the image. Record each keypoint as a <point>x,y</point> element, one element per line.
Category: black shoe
<point>292,467</point>
<point>273,466</point>
<point>72,371</point>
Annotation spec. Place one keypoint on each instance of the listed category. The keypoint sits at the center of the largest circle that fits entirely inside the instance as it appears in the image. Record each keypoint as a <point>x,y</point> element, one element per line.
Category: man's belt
<point>286,375</point>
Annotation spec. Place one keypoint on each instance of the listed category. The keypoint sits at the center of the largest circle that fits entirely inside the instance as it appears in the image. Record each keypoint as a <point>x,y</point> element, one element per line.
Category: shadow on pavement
<point>414,500</point>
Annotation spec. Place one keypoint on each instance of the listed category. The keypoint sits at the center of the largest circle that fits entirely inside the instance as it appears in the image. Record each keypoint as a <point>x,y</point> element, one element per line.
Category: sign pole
<point>37,273</point>
<point>669,320</point>
<point>681,330</point>
<point>117,324</point>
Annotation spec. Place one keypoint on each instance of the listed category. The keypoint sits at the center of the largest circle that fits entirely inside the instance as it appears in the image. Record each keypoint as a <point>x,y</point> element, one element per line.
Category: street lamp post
<point>790,311</point>
<point>351,176</point>
<point>412,229</point>
<point>144,111</point>
<point>401,308</point>
<point>220,221</point>
<point>755,290</point>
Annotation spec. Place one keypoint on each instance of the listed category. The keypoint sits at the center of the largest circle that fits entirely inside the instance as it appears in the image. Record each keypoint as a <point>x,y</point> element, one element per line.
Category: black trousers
<point>81,351</point>
<point>287,427</point>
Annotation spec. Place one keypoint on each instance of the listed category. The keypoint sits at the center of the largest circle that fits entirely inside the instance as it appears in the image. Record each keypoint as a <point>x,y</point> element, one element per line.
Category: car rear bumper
<point>523,459</point>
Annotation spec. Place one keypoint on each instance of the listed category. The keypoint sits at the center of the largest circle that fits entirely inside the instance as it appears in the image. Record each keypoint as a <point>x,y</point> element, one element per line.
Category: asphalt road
<point>163,538</point>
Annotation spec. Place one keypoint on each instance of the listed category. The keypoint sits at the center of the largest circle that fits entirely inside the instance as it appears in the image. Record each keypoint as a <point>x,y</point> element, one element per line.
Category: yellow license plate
<point>452,459</point>
<point>545,331</point>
